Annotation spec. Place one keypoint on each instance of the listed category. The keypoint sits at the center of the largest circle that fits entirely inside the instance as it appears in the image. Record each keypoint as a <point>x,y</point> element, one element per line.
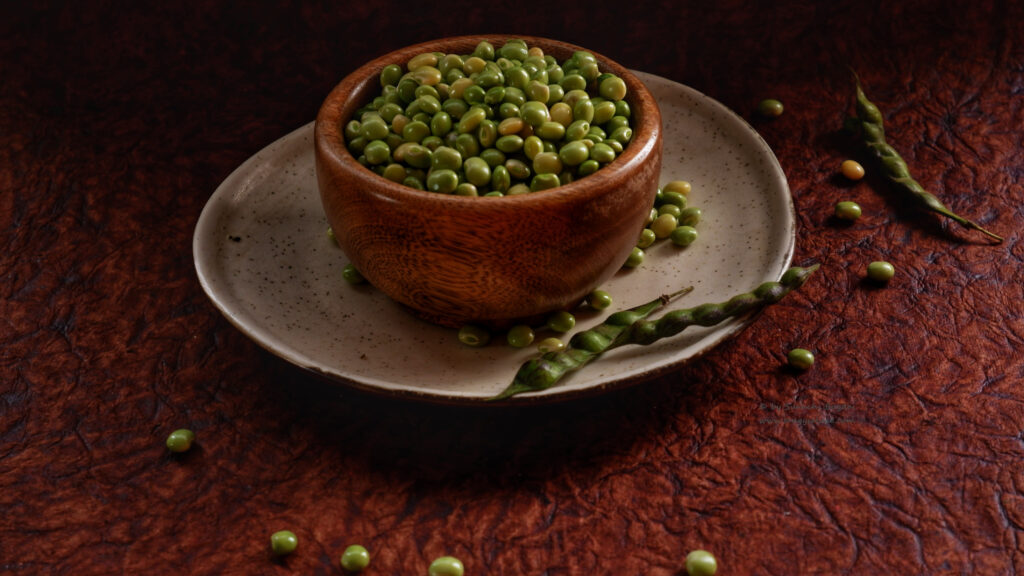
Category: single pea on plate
<point>520,336</point>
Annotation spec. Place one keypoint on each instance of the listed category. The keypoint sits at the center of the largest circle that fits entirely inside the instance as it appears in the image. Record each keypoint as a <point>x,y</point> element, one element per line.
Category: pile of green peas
<point>670,218</point>
<point>499,121</point>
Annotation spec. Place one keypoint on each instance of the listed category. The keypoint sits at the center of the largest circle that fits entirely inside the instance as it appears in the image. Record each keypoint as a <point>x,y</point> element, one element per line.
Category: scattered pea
<point>800,358</point>
<point>683,235</point>
<point>673,198</point>
<point>283,542</point>
<point>473,335</point>
<point>599,299</point>
<point>663,225</point>
<point>562,321</point>
<point>681,186</point>
<point>881,271</point>
<point>852,169</point>
<point>520,336</point>
<point>701,563</point>
<point>446,566</point>
<point>180,440</point>
<point>636,258</point>
<point>653,214</point>
<point>847,210</point>
<point>690,216</point>
<point>355,558</point>
<point>351,275</point>
<point>647,238</point>
<point>670,209</point>
<point>770,108</point>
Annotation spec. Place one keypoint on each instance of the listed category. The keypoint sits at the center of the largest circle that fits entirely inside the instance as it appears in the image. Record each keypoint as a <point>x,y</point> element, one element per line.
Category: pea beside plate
<point>263,257</point>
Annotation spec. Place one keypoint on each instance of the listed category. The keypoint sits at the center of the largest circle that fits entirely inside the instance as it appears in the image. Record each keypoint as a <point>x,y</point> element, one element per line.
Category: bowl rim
<point>337,108</point>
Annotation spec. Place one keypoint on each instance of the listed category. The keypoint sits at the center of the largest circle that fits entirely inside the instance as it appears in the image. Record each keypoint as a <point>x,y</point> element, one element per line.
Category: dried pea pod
<point>632,327</point>
<point>544,371</point>
<point>872,133</point>
<point>646,332</point>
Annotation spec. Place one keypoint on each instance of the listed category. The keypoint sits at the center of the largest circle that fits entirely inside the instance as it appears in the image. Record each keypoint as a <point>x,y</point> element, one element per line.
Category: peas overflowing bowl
<point>488,179</point>
<point>499,121</point>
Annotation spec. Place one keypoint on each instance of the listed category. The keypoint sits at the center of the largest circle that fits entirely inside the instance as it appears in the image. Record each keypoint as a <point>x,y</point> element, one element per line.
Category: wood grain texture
<point>899,451</point>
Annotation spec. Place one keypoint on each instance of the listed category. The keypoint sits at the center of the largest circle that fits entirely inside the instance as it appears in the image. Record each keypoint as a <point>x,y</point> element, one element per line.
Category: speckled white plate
<point>264,259</point>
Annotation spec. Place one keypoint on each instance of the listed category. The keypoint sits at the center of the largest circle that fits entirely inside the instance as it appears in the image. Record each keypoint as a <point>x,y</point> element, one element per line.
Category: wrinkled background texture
<point>118,120</point>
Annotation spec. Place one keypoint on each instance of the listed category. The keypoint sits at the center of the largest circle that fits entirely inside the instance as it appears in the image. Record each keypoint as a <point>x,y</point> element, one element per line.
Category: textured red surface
<point>117,122</point>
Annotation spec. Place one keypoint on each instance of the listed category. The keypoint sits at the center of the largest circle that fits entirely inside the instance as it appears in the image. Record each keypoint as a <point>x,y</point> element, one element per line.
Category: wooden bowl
<point>454,260</point>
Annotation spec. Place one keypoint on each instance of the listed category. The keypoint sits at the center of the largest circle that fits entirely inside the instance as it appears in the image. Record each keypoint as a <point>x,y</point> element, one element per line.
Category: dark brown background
<point>118,120</point>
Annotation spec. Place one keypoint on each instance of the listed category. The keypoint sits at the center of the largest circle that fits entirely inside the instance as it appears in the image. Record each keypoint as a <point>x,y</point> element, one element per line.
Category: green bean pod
<point>546,370</point>
<point>644,332</point>
<point>872,133</point>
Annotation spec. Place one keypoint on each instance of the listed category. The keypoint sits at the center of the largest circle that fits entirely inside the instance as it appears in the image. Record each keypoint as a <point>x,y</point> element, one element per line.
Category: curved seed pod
<point>710,314</point>
<point>872,133</point>
<point>544,371</point>
<point>866,109</point>
<point>548,369</point>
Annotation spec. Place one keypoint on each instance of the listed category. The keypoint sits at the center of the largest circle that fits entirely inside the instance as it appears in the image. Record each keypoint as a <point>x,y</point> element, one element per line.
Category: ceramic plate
<point>263,256</point>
